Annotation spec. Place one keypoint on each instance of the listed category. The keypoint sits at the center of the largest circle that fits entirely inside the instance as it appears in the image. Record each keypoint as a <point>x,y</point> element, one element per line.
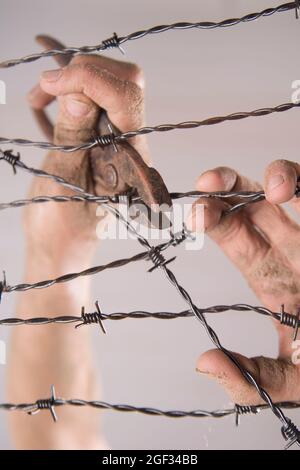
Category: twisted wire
<point>291,320</point>
<point>15,162</point>
<point>115,41</point>
<point>71,276</point>
<point>250,197</point>
<point>5,288</point>
<point>46,404</point>
<point>151,129</point>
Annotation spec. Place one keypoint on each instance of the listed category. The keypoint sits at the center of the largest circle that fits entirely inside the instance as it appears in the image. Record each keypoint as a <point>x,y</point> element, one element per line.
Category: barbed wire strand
<point>106,140</point>
<point>15,161</point>
<point>251,197</point>
<point>53,402</point>
<point>95,317</point>
<point>116,42</point>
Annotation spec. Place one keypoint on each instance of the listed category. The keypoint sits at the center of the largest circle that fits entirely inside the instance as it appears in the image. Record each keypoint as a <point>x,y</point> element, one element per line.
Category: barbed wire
<point>248,197</point>
<point>175,240</point>
<point>53,402</point>
<point>152,253</point>
<point>114,139</point>
<point>116,42</point>
<point>97,317</point>
<point>251,197</point>
<point>289,430</point>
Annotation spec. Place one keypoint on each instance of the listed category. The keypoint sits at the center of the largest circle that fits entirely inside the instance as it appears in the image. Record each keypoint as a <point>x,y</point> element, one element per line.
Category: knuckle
<point>136,75</point>
<point>134,97</point>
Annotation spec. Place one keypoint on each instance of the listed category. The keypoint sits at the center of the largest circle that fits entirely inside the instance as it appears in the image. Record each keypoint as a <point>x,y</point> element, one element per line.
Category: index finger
<point>117,89</point>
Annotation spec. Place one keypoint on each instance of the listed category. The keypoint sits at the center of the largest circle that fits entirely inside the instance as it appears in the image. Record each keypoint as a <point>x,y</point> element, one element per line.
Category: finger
<point>38,99</point>
<point>235,234</point>
<point>279,377</point>
<point>271,220</point>
<point>280,182</point>
<point>127,71</point>
<point>101,86</point>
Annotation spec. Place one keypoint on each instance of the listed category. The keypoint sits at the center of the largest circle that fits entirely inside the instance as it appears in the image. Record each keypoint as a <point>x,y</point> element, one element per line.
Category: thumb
<point>78,117</point>
<point>279,377</point>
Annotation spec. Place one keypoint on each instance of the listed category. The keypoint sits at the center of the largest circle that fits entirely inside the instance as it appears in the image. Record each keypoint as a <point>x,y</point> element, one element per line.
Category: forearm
<point>54,354</point>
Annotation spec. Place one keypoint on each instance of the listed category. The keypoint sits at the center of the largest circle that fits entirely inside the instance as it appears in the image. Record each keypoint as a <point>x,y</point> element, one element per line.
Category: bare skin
<point>263,242</point>
<point>60,239</point>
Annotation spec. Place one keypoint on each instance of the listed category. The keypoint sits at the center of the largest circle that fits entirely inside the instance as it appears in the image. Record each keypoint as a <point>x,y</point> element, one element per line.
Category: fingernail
<point>77,108</point>
<point>52,75</point>
<point>203,372</point>
<point>275,181</point>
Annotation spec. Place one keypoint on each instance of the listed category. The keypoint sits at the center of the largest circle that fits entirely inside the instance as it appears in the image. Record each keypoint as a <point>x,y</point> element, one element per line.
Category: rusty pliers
<point>120,170</point>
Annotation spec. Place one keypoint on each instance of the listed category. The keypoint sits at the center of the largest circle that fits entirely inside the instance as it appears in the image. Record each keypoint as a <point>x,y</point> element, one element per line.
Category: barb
<point>52,402</point>
<point>90,318</point>
<point>293,321</point>
<point>115,41</point>
<point>106,140</point>
<point>43,404</point>
<point>16,163</point>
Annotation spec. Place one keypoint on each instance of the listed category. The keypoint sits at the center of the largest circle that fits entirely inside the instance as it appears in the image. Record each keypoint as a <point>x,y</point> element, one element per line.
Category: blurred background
<point>190,75</point>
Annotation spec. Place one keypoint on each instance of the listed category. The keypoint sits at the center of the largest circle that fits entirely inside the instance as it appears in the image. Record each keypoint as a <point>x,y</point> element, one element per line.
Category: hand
<point>86,86</point>
<point>263,242</point>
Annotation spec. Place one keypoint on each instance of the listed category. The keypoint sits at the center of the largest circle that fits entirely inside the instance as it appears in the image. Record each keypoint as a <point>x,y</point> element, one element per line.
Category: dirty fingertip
<point>218,179</point>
